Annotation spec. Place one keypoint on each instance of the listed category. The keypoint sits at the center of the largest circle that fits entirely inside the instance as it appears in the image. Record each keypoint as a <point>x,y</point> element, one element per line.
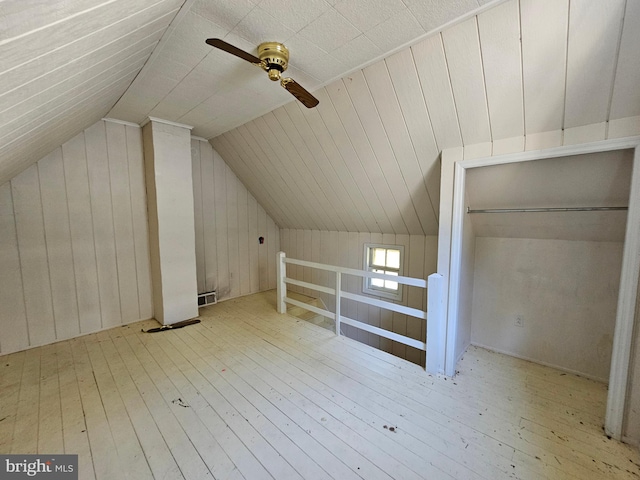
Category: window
<point>386,259</point>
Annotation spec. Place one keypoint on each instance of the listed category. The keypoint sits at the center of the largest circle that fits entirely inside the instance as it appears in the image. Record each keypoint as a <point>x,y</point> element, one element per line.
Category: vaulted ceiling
<point>397,80</point>
<point>64,64</point>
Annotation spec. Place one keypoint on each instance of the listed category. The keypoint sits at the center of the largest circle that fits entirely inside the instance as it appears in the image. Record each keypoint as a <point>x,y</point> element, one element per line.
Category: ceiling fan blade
<point>227,47</point>
<point>299,92</point>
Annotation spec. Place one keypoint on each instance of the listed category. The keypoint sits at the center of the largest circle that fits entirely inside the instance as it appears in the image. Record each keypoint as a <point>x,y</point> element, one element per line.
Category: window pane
<point>379,256</point>
<point>391,285</point>
<point>377,282</point>
<point>393,258</point>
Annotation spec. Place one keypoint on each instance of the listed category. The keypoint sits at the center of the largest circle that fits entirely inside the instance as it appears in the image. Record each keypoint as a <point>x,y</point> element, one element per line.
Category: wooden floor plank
<point>74,427</point>
<point>106,464</point>
<point>159,401</point>
<point>126,441</point>
<point>25,429</point>
<point>251,394</point>
<point>11,367</point>
<point>50,438</point>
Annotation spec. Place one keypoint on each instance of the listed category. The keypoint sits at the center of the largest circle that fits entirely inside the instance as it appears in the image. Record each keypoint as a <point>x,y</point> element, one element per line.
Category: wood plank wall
<point>228,222</point>
<point>73,240</point>
<point>346,249</point>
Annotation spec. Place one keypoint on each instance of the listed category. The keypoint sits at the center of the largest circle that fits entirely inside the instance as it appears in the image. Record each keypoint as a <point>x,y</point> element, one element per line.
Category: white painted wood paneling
<point>243,238</point>
<point>230,261</point>
<point>347,249</point>
<point>499,30</point>
<point>363,149</point>
<point>406,84</point>
<point>13,319</point>
<point>626,97</point>
<point>103,230</point>
<point>362,97</point>
<point>591,60</point>
<point>197,213</point>
<point>82,240</point>
<point>544,51</point>
<point>58,240</point>
<point>210,252</point>
<point>138,192</point>
<point>232,231</point>
<point>375,216</point>
<point>58,58</point>
<point>222,239</point>
<point>252,218</point>
<point>462,48</point>
<point>66,250</point>
<point>382,91</point>
<point>122,221</point>
<point>436,85</point>
<point>27,206</point>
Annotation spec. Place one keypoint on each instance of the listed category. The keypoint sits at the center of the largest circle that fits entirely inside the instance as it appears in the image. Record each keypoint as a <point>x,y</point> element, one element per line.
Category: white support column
<point>167,158</point>
<point>281,273</point>
<point>338,296</point>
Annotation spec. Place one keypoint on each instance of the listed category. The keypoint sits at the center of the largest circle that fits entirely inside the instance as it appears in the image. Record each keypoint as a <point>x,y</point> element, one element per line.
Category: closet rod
<point>561,209</point>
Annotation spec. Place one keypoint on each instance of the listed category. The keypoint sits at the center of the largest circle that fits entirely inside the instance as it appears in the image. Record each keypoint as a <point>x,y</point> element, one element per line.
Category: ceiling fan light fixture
<point>273,57</point>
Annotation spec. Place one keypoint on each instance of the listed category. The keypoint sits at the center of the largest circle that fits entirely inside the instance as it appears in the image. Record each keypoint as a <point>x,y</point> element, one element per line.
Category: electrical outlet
<point>519,321</point>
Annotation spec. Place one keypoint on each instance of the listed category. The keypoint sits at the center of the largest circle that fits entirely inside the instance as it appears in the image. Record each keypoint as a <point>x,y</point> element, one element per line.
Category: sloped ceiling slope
<point>367,158</point>
<point>66,63</point>
<point>63,65</point>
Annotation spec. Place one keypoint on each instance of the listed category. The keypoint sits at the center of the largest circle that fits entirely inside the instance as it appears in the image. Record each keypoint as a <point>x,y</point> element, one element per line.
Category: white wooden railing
<point>433,358</point>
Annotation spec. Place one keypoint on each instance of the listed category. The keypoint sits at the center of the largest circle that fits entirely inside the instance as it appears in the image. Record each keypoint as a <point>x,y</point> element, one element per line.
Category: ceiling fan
<point>273,57</point>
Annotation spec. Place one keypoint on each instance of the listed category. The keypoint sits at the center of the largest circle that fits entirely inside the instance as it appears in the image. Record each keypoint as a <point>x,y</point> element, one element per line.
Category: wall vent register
<point>208,298</point>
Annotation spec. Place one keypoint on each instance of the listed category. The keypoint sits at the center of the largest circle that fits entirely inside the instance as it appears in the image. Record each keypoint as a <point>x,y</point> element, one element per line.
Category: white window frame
<point>381,291</point>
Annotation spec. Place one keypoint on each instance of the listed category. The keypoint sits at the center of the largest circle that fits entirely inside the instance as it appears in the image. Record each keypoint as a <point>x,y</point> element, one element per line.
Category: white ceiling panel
<point>398,30</point>
<point>222,12</point>
<point>433,14</point>
<point>295,16</point>
<point>366,14</point>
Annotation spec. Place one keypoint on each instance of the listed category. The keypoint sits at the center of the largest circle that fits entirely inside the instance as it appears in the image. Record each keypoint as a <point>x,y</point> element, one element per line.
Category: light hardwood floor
<point>252,394</point>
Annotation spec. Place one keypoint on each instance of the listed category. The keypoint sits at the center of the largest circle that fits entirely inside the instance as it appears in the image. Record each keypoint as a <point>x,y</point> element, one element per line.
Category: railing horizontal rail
<point>312,308</point>
<point>384,333</point>
<point>339,295</point>
<point>414,312</point>
<point>415,282</point>
<point>310,286</point>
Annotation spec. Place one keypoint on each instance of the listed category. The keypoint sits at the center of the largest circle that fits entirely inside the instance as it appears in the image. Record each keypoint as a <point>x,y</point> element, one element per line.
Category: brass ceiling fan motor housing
<point>275,58</point>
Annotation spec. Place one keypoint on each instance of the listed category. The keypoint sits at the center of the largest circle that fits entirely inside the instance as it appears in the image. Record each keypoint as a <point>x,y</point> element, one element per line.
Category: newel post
<point>436,325</point>
<point>281,272</point>
<point>338,292</point>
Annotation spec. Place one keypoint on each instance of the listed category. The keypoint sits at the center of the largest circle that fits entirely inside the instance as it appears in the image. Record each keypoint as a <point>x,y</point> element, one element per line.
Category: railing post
<point>338,288</point>
<point>436,328</point>
<point>281,273</point>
